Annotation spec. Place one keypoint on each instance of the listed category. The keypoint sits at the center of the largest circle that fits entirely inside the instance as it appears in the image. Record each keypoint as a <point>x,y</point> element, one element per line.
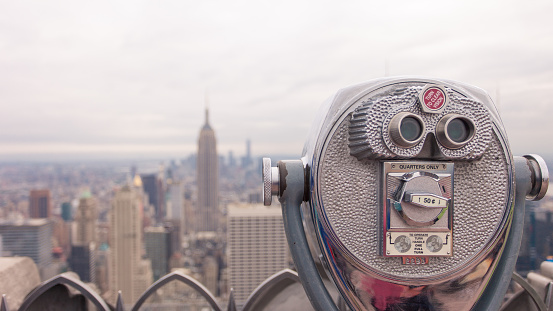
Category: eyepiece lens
<point>410,128</point>
<point>458,130</point>
<point>454,131</point>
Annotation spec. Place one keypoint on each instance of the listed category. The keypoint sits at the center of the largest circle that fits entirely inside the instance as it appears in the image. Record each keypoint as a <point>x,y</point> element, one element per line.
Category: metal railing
<point>528,297</point>
<point>264,291</point>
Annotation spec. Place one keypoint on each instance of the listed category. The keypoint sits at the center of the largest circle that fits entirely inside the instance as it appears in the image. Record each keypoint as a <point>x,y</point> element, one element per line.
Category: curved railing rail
<point>276,281</point>
<point>180,277</point>
<point>271,287</point>
<point>66,279</point>
<point>267,289</point>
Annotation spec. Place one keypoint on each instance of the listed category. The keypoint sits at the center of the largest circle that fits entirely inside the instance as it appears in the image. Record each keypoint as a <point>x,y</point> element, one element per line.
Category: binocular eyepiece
<point>453,131</point>
<point>408,197</point>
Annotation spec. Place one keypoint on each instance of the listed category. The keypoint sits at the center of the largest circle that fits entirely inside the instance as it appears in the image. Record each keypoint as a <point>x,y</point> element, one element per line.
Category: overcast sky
<point>112,78</point>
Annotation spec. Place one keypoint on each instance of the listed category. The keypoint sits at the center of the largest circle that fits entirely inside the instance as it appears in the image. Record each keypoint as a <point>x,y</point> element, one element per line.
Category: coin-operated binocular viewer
<point>409,196</point>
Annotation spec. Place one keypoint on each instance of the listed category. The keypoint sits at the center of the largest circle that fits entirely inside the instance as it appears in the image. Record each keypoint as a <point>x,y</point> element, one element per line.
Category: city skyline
<point>102,80</point>
<point>111,221</point>
<point>255,246</point>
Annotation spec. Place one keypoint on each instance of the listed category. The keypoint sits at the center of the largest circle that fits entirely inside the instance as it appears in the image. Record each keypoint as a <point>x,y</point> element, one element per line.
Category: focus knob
<point>270,181</point>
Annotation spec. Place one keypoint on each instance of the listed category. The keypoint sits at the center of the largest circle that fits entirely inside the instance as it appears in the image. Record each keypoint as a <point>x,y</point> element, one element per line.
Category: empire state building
<point>207,210</point>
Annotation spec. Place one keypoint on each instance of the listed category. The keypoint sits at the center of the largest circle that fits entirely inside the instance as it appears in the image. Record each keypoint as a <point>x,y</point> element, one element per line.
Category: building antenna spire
<point>206,108</point>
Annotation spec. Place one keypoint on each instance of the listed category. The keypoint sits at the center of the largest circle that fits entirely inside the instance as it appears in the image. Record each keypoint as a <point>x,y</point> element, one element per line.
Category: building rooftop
<point>33,222</point>
<point>252,210</point>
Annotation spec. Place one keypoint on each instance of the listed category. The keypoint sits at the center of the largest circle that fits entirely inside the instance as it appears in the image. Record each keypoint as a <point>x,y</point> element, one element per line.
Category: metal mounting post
<point>290,178</point>
<point>531,182</point>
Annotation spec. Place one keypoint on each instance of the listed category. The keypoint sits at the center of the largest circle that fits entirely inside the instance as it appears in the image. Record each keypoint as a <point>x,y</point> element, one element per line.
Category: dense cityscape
<point>120,225</point>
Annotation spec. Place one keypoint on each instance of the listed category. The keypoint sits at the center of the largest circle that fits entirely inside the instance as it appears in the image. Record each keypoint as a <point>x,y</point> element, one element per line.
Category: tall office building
<point>153,186</point>
<point>66,211</point>
<point>175,200</point>
<point>175,211</point>
<point>30,238</point>
<point>142,279</point>
<point>256,245</point>
<point>84,245</point>
<point>129,273</point>
<point>61,234</point>
<point>40,204</point>
<point>207,209</point>
<point>157,244</point>
<point>86,218</point>
<point>83,261</point>
<point>102,268</point>
<point>210,274</point>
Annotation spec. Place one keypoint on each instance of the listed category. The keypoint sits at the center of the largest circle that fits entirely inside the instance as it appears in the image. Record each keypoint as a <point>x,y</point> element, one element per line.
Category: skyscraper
<point>210,273</point>
<point>153,186</point>
<point>128,271</point>
<point>40,204</point>
<point>83,250</point>
<point>83,261</point>
<point>257,247</point>
<point>157,244</point>
<point>85,220</point>
<point>66,212</point>
<point>247,159</point>
<point>175,211</point>
<point>207,209</point>
<point>175,200</point>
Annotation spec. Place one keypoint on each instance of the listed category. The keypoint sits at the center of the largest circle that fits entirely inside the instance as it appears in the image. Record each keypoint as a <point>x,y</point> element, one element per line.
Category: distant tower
<point>231,160</point>
<point>249,151</point>
<point>83,250</point>
<point>247,159</point>
<point>207,212</point>
<point>66,211</point>
<point>175,200</point>
<point>153,186</point>
<point>125,241</point>
<point>175,212</point>
<point>40,204</point>
<point>85,220</point>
